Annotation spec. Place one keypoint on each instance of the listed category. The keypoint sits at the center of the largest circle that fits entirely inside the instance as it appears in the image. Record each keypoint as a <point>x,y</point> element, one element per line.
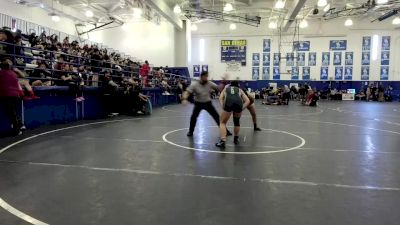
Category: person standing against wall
<point>10,94</point>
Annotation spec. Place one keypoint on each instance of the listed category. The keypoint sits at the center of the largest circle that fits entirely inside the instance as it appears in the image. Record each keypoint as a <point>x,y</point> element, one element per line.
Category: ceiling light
<point>42,5</point>
<point>327,7</point>
<point>382,1</point>
<point>89,13</point>
<point>194,27</point>
<point>273,25</point>
<point>55,18</point>
<point>177,9</point>
<point>137,13</point>
<point>396,21</point>
<point>280,4</point>
<point>322,3</point>
<point>348,23</point>
<point>84,4</point>
<point>232,26</point>
<point>228,7</point>
<point>303,24</point>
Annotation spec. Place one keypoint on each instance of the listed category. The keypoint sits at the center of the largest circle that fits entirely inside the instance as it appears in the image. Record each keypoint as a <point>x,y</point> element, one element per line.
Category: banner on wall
<point>349,58</point>
<point>267,45</point>
<point>301,46</point>
<point>338,73</point>
<point>337,58</point>
<point>366,58</point>
<point>364,72</point>
<point>306,73</point>
<point>326,58</point>
<point>366,45</point>
<point>348,73</point>
<point>255,73</point>
<point>312,59</point>
<point>265,75</point>
<point>196,70</point>
<point>277,59</point>
<point>295,73</point>
<point>338,45</point>
<point>233,51</point>
<point>301,56</point>
<point>385,55</point>
<point>256,59</point>
<point>385,43</point>
<point>324,72</point>
<point>266,59</point>
<point>384,72</point>
<point>276,73</point>
<point>204,68</point>
<point>289,59</point>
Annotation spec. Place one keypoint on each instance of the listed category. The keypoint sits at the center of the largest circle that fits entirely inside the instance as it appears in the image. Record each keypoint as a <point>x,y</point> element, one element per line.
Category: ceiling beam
<point>163,9</point>
<point>292,14</point>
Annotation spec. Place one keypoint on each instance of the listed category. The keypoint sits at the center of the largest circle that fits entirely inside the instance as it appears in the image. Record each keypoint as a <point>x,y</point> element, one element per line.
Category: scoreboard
<point>234,51</point>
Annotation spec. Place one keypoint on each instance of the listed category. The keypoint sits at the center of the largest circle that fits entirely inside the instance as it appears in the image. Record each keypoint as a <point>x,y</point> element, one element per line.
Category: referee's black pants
<point>198,106</point>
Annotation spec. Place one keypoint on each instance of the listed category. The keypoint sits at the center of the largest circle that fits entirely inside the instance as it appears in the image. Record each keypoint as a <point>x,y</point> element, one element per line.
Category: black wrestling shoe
<point>228,133</point>
<point>220,144</point>
<point>189,134</point>
<point>257,129</point>
<point>236,140</point>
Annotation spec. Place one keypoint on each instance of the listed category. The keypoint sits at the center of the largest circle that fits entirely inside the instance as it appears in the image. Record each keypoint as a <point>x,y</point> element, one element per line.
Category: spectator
<point>43,75</point>
<point>9,94</point>
<point>144,72</point>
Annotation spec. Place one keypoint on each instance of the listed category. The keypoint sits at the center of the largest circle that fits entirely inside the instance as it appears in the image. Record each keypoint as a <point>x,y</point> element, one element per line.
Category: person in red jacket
<point>144,73</point>
<point>10,94</point>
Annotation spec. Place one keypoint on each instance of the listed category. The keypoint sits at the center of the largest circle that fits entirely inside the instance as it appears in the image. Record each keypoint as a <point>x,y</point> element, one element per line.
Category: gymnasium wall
<point>318,33</point>
<point>143,40</point>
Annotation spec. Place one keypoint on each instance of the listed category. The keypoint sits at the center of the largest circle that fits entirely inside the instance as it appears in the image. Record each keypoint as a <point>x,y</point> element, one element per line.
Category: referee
<point>201,90</point>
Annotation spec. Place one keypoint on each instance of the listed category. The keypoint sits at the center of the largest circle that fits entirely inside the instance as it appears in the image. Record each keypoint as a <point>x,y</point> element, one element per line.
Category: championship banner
<point>339,45</point>
<point>295,73</point>
<point>276,74</point>
<point>267,45</point>
<point>312,59</point>
<point>364,72</point>
<point>348,73</point>
<point>204,68</point>
<point>349,58</point>
<point>255,73</point>
<point>196,70</point>
<point>338,73</point>
<point>324,73</point>
<point>301,46</point>
<point>256,59</point>
<point>265,75</point>
<point>306,73</point>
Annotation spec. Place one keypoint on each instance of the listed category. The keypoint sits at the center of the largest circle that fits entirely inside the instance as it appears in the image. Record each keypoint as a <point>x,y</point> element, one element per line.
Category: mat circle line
<point>302,140</point>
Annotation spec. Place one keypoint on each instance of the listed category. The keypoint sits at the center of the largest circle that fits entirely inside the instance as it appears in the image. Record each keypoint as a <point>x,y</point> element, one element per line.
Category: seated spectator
<point>312,98</point>
<point>43,74</point>
<point>165,87</point>
<point>361,95</point>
